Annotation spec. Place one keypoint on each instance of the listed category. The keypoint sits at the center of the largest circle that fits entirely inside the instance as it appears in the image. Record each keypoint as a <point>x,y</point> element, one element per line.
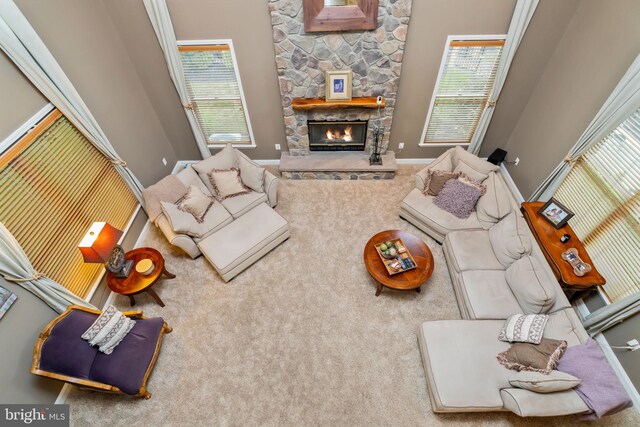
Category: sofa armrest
<point>420,178</point>
<point>531,404</point>
<point>271,187</point>
<point>182,241</point>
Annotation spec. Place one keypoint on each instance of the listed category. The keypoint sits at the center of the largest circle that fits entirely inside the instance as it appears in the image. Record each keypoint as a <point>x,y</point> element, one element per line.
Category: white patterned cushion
<point>196,203</point>
<point>108,330</point>
<point>524,328</point>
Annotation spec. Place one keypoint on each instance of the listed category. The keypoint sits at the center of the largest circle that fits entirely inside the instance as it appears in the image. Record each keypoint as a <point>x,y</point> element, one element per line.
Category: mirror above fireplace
<point>337,135</point>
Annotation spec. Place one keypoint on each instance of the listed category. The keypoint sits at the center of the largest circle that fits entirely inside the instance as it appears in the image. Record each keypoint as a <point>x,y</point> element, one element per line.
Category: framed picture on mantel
<point>340,15</point>
<point>338,85</point>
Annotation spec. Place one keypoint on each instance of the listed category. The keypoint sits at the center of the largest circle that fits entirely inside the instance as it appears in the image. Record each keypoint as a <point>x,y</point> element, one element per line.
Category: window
<point>464,83</point>
<point>55,184</point>
<point>215,92</point>
<point>603,189</point>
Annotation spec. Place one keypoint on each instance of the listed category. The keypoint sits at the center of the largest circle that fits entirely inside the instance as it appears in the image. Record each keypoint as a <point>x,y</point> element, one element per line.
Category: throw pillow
<point>495,204</point>
<point>541,357</point>
<point>168,189</point>
<point>509,239</point>
<point>524,328</point>
<point>457,198</point>
<point>468,170</point>
<point>251,174</point>
<point>472,161</point>
<point>472,182</point>
<point>436,180</point>
<point>532,287</point>
<point>442,163</point>
<point>541,383</point>
<point>108,330</point>
<point>225,159</point>
<point>195,202</point>
<point>226,183</point>
<point>184,223</point>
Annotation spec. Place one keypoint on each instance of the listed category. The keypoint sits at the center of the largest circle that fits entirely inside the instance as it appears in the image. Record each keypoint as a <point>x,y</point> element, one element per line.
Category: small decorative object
<point>340,15</point>
<point>565,238</point>
<point>145,267</point>
<point>338,85</point>
<point>100,245</point>
<point>6,300</point>
<point>379,100</point>
<point>376,158</point>
<point>556,213</point>
<point>579,267</point>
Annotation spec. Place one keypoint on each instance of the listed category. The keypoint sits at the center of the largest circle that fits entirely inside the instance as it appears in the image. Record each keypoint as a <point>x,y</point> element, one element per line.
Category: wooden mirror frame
<point>318,17</point>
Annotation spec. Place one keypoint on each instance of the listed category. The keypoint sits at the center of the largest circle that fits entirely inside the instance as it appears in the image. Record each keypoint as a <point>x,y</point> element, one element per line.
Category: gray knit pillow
<point>524,328</point>
<point>457,198</point>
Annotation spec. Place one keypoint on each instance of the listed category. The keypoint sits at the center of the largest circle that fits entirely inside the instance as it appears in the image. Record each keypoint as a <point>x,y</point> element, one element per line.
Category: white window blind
<point>465,81</point>
<point>603,189</point>
<point>54,184</point>
<point>214,90</point>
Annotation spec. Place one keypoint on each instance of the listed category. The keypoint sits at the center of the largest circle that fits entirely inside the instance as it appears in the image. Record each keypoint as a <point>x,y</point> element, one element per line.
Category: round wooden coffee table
<point>407,280</point>
<point>136,283</point>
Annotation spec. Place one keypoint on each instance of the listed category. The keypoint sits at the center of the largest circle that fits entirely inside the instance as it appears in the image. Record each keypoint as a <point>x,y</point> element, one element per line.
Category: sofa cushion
<point>185,223</point>
<point>458,198</point>
<point>527,403</point>
<point>252,174</point>
<point>168,189</point>
<point>530,286</point>
<point>459,358</point>
<point>565,325</point>
<point>225,159</point>
<point>239,205</point>
<point>541,383</point>
<point>190,177</point>
<point>510,239</point>
<point>487,295</point>
<point>473,164</point>
<point>471,250</point>
<point>524,328</point>
<point>443,163</point>
<point>127,366</point>
<point>496,203</point>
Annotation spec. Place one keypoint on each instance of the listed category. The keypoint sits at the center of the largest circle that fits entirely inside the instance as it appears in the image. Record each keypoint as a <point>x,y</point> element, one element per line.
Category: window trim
<point>236,70</point>
<point>17,136</point>
<point>434,94</point>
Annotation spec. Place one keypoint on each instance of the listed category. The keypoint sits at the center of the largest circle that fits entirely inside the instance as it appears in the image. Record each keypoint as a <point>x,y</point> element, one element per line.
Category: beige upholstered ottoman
<point>244,241</point>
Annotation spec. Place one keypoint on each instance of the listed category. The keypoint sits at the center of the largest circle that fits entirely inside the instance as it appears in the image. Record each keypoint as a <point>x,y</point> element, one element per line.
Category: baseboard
<point>421,161</point>
<point>583,310</point>
<point>511,184</point>
<point>181,164</point>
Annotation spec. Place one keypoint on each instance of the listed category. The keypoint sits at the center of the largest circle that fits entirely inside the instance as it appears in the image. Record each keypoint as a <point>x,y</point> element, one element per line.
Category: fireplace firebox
<point>337,135</point>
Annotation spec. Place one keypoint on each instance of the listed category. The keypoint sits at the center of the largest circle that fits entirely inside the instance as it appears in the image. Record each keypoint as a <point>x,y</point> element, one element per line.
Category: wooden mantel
<point>322,104</point>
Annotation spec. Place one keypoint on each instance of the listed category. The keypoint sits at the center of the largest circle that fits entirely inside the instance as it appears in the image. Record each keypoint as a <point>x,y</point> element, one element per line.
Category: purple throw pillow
<point>457,198</point>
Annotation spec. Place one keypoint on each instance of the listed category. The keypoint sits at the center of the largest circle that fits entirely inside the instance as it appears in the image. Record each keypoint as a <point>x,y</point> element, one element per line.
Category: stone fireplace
<point>329,135</point>
<point>375,57</point>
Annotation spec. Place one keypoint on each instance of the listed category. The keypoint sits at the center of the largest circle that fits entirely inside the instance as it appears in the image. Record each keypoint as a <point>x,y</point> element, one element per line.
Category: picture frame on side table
<point>556,213</point>
<point>6,300</point>
<point>338,85</point>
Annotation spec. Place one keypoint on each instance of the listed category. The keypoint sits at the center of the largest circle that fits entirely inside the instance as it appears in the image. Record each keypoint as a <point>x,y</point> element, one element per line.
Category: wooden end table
<point>548,237</point>
<point>137,283</point>
<point>407,280</point>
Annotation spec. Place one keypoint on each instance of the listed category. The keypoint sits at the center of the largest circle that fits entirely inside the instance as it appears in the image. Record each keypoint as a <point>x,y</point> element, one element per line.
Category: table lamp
<point>100,245</point>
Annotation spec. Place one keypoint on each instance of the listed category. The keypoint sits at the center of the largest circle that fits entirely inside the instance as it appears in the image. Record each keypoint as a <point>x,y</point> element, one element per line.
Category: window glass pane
<point>603,189</point>
<point>214,92</point>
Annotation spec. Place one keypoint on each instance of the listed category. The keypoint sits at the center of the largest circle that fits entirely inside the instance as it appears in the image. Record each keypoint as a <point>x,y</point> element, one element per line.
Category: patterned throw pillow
<point>543,357</point>
<point>226,183</point>
<point>196,203</point>
<point>108,330</point>
<point>436,180</point>
<point>457,198</point>
<point>524,328</point>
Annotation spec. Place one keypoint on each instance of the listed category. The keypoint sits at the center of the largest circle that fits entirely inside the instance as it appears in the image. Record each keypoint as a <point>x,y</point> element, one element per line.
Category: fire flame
<point>331,134</point>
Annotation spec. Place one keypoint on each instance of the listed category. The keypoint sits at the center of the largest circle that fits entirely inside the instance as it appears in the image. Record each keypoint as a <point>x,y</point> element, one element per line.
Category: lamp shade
<point>98,243</point>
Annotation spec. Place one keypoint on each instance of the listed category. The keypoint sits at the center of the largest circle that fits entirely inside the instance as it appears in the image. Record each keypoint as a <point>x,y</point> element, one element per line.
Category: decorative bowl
<point>145,267</point>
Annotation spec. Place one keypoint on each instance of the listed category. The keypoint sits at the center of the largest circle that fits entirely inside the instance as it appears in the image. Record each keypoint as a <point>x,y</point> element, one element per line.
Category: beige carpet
<point>299,338</point>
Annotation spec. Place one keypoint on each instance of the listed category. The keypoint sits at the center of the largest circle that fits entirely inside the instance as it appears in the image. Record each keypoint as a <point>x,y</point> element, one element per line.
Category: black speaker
<point>497,156</point>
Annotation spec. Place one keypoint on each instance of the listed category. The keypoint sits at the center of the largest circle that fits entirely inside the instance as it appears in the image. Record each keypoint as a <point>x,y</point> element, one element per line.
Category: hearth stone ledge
<point>337,166</point>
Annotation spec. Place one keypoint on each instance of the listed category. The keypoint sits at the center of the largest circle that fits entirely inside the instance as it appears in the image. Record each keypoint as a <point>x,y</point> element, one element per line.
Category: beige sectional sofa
<point>497,270</point>
<point>241,229</point>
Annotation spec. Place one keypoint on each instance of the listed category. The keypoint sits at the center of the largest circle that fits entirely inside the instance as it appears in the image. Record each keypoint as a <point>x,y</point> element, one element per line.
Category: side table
<point>137,283</point>
<point>548,238</point>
